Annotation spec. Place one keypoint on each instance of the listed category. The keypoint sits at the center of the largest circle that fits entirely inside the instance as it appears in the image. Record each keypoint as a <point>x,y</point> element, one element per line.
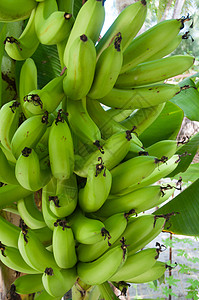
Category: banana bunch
<point>93,175</point>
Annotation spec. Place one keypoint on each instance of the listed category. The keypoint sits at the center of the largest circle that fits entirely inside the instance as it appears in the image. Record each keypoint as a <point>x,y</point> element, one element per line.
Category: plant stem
<point>106,292</point>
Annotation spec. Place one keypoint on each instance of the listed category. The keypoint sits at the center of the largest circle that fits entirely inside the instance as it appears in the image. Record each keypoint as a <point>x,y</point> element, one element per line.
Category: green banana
<point>12,258</point>
<point>107,69</point>
<point>64,201</point>
<point>128,22</point>
<point>27,284</point>
<point>33,251</point>
<point>86,230</point>
<point>58,282</point>
<point>81,123</point>
<point>9,233</point>
<point>89,21</point>
<point>80,68</point>
<point>141,97</point>
<point>7,174</point>
<point>61,153</point>
<point>27,82</point>
<point>52,26</point>
<point>12,10</point>
<point>12,193</point>
<point>143,118</point>
<point>115,225</point>
<point>45,296</point>
<point>134,151</point>
<point>155,71</point>
<point>150,42</point>
<point>9,118</point>
<point>118,114</point>
<point>29,212</point>
<point>64,245</point>
<point>97,187</point>
<point>132,172</point>
<point>154,273</point>
<point>104,267</point>
<point>24,46</point>
<point>44,234</point>
<point>29,172</point>
<point>66,5</point>
<point>136,264</point>
<point>47,99</point>
<point>29,133</point>
<point>163,148</point>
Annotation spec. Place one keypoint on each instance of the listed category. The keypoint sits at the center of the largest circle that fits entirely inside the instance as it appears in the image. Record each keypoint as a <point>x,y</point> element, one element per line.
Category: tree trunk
<point>164,16</point>
<point>178,8</point>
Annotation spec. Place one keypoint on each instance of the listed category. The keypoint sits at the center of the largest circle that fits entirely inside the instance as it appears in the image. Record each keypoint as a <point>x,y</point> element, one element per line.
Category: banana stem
<point>80,290</point>
<point>106,292</point>
<point>3,28</point>
<point>60,48</point>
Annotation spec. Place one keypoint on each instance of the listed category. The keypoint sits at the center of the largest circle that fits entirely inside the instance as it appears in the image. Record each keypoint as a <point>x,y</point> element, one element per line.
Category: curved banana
<point>64,245</point>
<point>52,26</point>
<point>29,212</point>
<point>140,97</point>
<point>7,174</point>
<point>128,22</point>
<point>66,5</point>
<point>155,71</point>
<point>29,172</point>
<point>29,133</point>
<point>27,284</point>
<point>136,264</point>
<point>33,251</point>
<point>104,267</point>
<point>9,118</point>
<point>12,258</point>
<point>80,68</point>
<point>64,201</point>
<point>58,282</point>
<point>115,225</point>
<point>107,69</point>
<point>43,295</point>
<point>150,42</point>
<point>118,114</point>
<point>81,123</point>
<point>97,187</point>
<point>163,148</point>
<point>12,11</point>
<point>9,233</point>
<point>132,172</point>
<point>61,153</point>
<point>47,99</point>
<point>89,21</point>
<point>27,82</point>
<point>86,230</point>
<point>26,44</point>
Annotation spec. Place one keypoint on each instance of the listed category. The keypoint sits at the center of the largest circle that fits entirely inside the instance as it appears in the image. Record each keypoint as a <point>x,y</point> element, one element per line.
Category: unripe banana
<point>97,188</point>
<point>33,251</point>
<point>107,69</point>
<point>128,22</point>
<point>155,71</point>
<point>12,258</point>
<point>118,114</point>
<point>103,268</point>
<point>132,172</point>
<point>29,133</point>
<point>12,10</point>
<point>28,171</point>
<point>81,123</point>
<point>27,284</point>
<point>9,118</point>
<point>52,26</point>
<point>58,282</point>
<point>46,296</point>
<point>66,5</point>
<point>136,264</point>
<point>115,225</point>
<point>89,21</point>
<point>26,44</point>
<point>163,148</point>
<point>80,68</point>
<point>47,99</point>
<point>29,212</point>
<point>63,245</point>
<point>61,152</point>
<point>7,174</point>
<point>141,97</point>
<point>9,233</point>
<point>150,42</point>
<point>87,230</point>
<point>63,202</point>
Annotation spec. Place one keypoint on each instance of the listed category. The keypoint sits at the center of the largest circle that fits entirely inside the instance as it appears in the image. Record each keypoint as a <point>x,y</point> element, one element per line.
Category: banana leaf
<point>184,212</point>
<point>190,175</point>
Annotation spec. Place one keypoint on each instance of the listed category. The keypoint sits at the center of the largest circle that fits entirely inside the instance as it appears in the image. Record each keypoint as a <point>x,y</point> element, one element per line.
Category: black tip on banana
<point>62,223</point>
<point>117,41</point>
<point>106,234</point>
<point>12,40</point>
<point>171,267</point>
<point>44,118</point>
<point>34,99</point>
<point>83,38</point>
<point>26,151</point>
<point>183,19</point>
<point>48,271</point>
<point>144,2</point>
<point>2,248</point>
<point>97,144</point>
<point>55,199</point>
<point>24,229</point>
<point>124,247</point>
<point>100,167</point>
<point>14,106</point>
<point>67,16</point>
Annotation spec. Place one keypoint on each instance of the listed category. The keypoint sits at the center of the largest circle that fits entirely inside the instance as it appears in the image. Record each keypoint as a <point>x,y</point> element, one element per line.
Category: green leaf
<point>191,174</point>
<point>77,6</point>
<point>187,205</point>
<point>166,126</point>
<point>191,149</point>
<point>188,100</point>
